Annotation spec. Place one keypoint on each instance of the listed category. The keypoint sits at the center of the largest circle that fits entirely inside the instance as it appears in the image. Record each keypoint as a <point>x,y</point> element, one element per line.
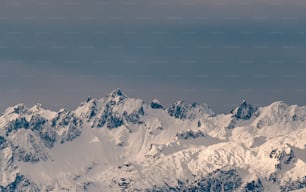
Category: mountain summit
<point>117,93</point>
<point>244,111</point>
<point>117,143</point>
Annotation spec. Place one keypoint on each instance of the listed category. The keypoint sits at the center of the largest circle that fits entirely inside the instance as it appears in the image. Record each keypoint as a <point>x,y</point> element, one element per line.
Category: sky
<point>59,52</point>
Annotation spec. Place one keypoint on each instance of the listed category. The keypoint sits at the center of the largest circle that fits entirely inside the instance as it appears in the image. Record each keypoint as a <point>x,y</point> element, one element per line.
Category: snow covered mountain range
<point>118,143</point>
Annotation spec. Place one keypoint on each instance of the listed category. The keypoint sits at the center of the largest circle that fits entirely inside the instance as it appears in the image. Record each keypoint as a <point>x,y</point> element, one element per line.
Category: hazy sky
<point>58,52</point>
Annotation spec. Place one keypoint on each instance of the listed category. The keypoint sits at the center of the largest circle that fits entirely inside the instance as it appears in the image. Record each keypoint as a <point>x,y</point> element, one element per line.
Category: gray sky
<point>220,52</point>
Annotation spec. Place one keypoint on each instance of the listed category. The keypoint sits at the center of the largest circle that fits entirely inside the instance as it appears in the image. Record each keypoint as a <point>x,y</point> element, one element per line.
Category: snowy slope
<point>118,143</point>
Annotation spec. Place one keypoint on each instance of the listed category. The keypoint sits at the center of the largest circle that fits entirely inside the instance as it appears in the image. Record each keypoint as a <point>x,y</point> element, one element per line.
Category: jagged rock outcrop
<point>180,110</point>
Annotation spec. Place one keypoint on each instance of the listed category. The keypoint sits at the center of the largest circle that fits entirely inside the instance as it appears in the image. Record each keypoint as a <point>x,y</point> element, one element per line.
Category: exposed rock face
<point>244,111</point>
<point>180,110</point>
<point>294,185</point>
<point>20,184</point>
<point>16,124</point>
<point>284,156</point>
<point>219,180</point>
<point>155,104</point>
<point>189,134</point>
<point>254,186</point>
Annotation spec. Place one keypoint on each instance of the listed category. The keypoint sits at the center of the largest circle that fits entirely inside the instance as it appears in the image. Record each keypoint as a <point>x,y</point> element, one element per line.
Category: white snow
<point>149,153</point>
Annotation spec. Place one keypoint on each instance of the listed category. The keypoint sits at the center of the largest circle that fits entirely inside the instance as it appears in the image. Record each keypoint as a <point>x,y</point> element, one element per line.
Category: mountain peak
<point>244,111</point>
<point>155,104</point>
<point>279,104</point>
<point>36,107</point>
<point>181,110</point>
<point>89,99</point>
<point>18,109</point>
<point>117,93</point>
<point>179,102</point>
